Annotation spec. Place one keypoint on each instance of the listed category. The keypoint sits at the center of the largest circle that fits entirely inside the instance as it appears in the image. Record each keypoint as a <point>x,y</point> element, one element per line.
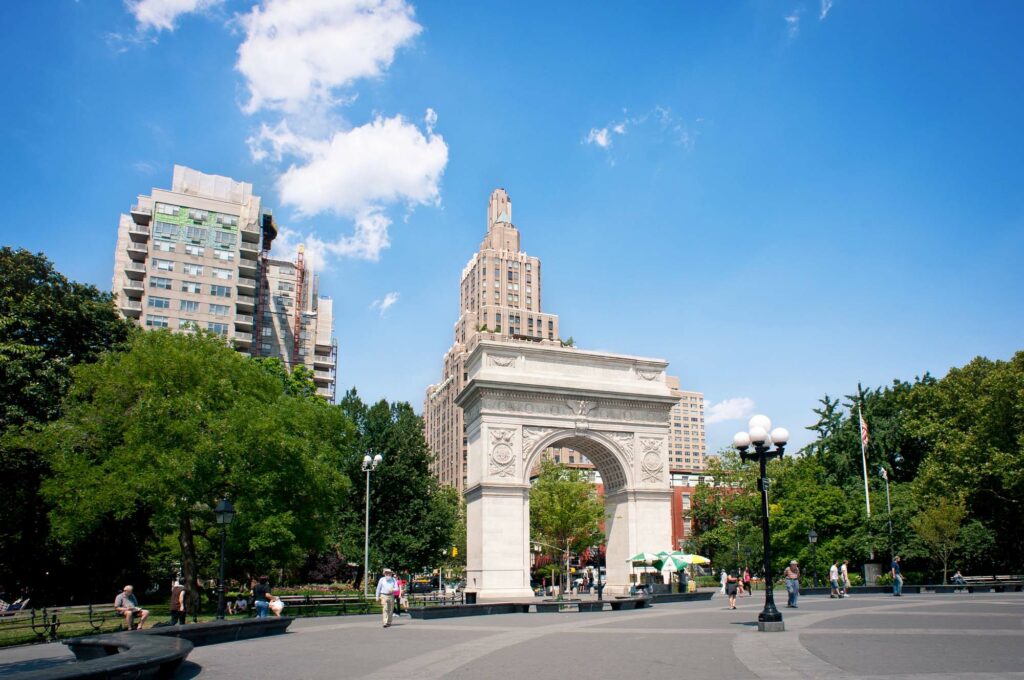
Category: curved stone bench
<point>216,632</point>
<point>118,655</point>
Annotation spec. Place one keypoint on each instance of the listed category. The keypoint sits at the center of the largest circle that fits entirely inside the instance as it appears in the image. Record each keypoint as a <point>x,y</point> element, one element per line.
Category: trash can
<point>470,597</point>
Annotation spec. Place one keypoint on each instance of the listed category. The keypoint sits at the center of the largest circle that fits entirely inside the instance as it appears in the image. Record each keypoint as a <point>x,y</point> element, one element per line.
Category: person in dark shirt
<point>261,597</point>
<point>178,603</point>
<point>897,577</point>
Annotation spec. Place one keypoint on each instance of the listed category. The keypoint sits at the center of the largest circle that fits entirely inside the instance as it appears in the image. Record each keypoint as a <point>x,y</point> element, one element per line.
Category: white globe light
<point>780,436</point>
<point>366,460</point>
<point>740,440</point>
<point>758,435</point>
<point>377,459</point>
<point>759,421</point>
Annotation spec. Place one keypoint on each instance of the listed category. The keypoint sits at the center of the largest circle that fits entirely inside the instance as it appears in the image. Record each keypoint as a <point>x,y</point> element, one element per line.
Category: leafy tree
<point>166,429</point>
<point>412,521</point>
<point>939,528</point>
<point>48,324</point>
<point>565,510</point>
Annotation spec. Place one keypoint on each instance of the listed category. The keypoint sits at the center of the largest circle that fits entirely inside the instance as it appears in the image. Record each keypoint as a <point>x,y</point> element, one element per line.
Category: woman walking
<point>731,586</point>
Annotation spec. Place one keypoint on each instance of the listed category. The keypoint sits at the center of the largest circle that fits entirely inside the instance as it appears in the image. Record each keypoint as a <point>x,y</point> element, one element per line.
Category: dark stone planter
<point>216,632</point>
<point>683,597</point>
<point>453,611</point>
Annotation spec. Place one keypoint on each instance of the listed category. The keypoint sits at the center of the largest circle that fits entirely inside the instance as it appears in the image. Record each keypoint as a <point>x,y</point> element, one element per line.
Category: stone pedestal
<point>771,626</point>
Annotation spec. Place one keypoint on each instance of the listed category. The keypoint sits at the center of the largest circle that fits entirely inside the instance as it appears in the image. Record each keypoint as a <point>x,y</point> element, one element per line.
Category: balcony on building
<point>245,303</point>
<point>243,321</point>
<point>135,270</point>
<point>247,268</point>
<point>249,251</point>
<point>141,215</point>
<point>138,232</point>
<point>323,377</point>
<point>132,308</point>
<point>137,252</point>
<point>133,289</point>
<point>324,361</point>
<point>243,339</point>
<point>247,286</point>
<point>326,392</point>
<point>325,346</point>
<point>251,232</point>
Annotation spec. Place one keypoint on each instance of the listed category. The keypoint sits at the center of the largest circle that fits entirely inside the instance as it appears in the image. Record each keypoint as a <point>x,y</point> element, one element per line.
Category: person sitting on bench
<point>126,605</point>
<point>958,579</point>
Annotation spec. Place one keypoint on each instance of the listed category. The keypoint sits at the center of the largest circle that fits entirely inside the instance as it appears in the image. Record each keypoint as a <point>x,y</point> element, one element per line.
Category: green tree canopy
<point>565,509</point>
<point>166,429</point>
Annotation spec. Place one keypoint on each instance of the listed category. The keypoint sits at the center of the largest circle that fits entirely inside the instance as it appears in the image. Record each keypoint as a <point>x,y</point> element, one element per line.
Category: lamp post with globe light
<point>225,512</point>
<point>812,538</point>
<point>369,465</point>
<point>758,436</point>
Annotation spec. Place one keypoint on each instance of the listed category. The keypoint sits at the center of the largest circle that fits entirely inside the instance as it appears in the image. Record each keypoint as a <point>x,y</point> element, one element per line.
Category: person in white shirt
<point>844,574</point>
<point>833,577</point>
<point>387,588</point>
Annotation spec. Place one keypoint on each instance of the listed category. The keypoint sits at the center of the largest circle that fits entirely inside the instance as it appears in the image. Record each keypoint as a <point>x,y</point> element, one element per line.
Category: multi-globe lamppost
<point>369,465</point>
<point>225,512</point>
<point>758,436</point>
<point>812,538</point>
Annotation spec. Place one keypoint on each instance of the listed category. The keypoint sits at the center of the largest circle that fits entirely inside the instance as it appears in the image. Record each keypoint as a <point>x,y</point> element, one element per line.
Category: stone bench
<point>452,611</point>
<point>620,603</point>
<point>118,655</point>
<point>683,597</point>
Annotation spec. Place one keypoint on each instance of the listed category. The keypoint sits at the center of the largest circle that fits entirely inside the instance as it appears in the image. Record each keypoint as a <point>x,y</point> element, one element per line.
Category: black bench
<point>118,655</point>
<point>684,597</point>
<point>620,603</point>
<point>452,611</point>
<point>325,605</point>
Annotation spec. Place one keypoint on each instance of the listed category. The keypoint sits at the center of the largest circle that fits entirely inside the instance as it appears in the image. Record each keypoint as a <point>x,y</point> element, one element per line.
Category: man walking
<point>833,578</point>
<point>387,586</point>
<point>844,575</point>
<point>897,577</point>
<point>127,606</point>
<point>792,576</point>
<point>178,603</point>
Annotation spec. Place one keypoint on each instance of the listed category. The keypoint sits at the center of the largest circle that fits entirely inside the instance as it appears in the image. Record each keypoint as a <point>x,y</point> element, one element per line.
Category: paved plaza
<point>871,636</point>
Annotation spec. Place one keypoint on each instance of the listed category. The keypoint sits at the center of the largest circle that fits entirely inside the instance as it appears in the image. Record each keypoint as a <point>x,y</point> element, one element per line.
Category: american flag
<point>863,431</point>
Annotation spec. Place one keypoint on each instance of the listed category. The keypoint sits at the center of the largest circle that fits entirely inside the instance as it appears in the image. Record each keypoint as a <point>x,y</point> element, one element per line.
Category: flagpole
<point>863,453</point>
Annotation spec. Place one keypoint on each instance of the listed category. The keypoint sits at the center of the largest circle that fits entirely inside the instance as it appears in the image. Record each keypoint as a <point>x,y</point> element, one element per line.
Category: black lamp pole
<point>225,513</point>
<point>761,440</point>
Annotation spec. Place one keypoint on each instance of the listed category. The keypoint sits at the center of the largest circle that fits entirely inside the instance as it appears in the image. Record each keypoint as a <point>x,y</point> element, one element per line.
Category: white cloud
<point>160,15</point>
<point>670,125</point>
<point>298,50</point>
<point>826,7</point>
<point>793,24</point>
<point>385,303</point>
<point>599,137</point>
<point>736,408</point>
<point>356,174</point>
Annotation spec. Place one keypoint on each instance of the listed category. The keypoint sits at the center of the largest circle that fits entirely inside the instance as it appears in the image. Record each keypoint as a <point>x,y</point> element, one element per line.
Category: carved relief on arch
<point>624,440</point>
<point>502,455</point>
<point>501,360</point>
<point>531,435</point>
<point>652,464</point>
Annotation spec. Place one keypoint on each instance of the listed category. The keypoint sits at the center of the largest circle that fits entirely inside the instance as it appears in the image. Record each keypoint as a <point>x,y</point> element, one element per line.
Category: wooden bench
<point>996,584</point>
<point>39,621</point>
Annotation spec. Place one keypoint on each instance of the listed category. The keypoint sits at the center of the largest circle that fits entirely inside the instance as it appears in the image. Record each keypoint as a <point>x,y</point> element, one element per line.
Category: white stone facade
<point>522,398</point>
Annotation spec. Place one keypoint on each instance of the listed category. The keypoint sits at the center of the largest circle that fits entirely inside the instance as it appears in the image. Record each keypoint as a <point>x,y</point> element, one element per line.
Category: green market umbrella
<point>691,559</point>
<point>671,560</point>
<point>644,557</point>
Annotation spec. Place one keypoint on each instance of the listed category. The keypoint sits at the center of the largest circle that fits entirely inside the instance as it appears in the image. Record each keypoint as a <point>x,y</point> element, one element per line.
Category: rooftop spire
<point>499,209</point>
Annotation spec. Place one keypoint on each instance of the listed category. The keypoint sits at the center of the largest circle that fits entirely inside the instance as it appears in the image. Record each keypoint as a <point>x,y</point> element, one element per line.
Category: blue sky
<point>780,198</point>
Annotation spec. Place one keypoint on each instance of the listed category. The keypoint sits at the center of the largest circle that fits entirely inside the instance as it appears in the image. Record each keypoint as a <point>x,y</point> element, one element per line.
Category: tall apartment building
<point>191,258</point>
<point>500,295</point>
<point>686,443</point>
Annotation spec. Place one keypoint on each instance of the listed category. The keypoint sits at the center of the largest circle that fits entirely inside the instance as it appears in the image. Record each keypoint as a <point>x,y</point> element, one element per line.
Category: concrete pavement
<point>921,637</point>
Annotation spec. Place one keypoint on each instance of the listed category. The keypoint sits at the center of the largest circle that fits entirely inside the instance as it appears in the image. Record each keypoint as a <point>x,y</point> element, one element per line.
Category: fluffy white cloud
<point>599,137</point>
<point>160,15</point>
<point>826,7</point>
<point>385,303</point>
<point>356,173</point>
<point>736,408</point>
<point>298,50</point>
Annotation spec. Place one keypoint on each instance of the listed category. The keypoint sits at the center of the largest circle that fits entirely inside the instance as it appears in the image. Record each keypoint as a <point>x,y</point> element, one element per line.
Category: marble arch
<point>521,398</point>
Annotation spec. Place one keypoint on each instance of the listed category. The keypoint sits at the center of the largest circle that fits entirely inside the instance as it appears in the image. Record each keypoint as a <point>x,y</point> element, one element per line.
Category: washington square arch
<point>522,398</point>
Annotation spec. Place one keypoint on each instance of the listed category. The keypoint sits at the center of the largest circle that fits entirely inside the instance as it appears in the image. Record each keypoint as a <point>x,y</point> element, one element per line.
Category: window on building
<point>267,331</point>
<point>187,326</point>
<point>159,302</point>
<point>163,265</point>
<point>159,282</point>
<point>195,251</point>
<point>156,321</point>
<point>223,274</point>
<point>218,328</point>
<point>227,220</point>
<point>223,238</point>
<point>163,246</point>
<point>225,255</point>
<point>219,310</point>
<point>166,209</point>
<point>220,291</point>
<point>192,269</point>
<point>165,229</point>
<point>190,306</point>
<point>284,285</point>
<point>197,234</point>
<point>686,500</point>
<point>198,215</point>
<point>190,287</point>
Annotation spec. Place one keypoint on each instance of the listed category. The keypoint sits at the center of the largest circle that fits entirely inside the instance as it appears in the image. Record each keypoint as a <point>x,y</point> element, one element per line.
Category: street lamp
<point>225,513</point>
<point>757,435</point>
<point>812,538</point>
<point>888,507</point>
<point>369,465</point>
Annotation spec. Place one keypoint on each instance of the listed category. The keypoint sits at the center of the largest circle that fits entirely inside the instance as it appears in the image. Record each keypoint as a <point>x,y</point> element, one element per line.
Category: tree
<point>412,521</point>
<point>166,429</point>
<point>938,526</point>
<point>48,325</point>
<point>565,510</point>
